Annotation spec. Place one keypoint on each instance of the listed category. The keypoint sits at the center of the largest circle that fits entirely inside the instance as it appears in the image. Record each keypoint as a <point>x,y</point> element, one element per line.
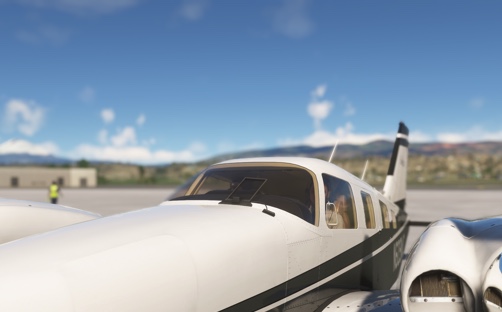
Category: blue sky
<point>150,81</point>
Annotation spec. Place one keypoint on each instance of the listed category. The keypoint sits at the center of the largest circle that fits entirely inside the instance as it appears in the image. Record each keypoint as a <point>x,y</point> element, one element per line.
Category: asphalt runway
<point>422,205</point>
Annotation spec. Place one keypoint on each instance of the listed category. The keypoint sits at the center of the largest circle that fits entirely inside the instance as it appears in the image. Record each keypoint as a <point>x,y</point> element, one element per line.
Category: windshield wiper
<point>245,191</point>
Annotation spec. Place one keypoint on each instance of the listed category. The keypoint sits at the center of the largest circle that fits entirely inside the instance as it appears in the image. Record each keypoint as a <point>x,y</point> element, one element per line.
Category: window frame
<point>196,183</point>
<point>388,216</point>
<point>341,184</point>
<point>369,210</point>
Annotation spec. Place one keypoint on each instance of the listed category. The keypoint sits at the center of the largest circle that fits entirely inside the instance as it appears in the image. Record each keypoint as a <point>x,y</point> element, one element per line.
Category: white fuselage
<point>199,256</point>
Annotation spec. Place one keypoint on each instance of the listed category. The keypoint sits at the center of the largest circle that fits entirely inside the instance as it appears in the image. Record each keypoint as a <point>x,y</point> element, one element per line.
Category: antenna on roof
<point>364,171</point>
<point>333,151</point>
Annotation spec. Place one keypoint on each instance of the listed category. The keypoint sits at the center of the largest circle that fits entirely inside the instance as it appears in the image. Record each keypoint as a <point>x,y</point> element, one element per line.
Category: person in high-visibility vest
<point>54,192</point>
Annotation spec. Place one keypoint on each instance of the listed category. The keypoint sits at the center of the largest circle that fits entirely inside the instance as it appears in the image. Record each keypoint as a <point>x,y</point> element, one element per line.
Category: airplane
<point>258,234</point>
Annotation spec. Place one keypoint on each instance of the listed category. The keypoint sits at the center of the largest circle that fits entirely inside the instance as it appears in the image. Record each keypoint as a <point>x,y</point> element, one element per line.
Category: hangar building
<point>41,177</point>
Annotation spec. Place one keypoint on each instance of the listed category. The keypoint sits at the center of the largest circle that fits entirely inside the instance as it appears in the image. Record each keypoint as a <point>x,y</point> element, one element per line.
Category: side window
<point>369,212</point>
<point>339,205</point>
<point>388,217</point>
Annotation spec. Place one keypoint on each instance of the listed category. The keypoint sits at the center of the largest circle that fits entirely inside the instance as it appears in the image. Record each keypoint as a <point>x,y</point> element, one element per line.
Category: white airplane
<point>259,234</point>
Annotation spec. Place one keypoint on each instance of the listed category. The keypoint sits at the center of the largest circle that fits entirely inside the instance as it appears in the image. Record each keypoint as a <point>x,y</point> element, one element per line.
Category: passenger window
<point>369,212</point>
<point>388,217</point>
<point>385,215</point>
<point>339,205</point>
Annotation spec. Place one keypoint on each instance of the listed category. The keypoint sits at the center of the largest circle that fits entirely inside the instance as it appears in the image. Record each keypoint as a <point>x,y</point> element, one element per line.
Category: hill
<point>472,164</point>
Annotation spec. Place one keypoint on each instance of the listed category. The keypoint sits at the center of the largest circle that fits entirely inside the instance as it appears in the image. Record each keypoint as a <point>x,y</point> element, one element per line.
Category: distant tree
<point>83,163</point>
<point>141,173</point>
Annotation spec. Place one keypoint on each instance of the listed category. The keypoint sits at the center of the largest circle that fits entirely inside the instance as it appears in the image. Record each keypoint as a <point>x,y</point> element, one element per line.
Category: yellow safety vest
<point>53,191</point>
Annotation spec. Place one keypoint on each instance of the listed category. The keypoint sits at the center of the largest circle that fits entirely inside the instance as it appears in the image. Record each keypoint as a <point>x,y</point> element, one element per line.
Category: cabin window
<point>288,188</point>
<point>388,217</point>
<point>340,210</point>
<point>369,212</point>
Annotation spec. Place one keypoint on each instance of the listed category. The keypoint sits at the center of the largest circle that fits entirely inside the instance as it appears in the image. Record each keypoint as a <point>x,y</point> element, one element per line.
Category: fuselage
<point>199,252</point>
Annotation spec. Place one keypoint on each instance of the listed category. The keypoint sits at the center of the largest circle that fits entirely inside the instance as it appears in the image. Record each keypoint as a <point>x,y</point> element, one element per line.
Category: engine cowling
<point>455,266</point>
<point>21,218</point>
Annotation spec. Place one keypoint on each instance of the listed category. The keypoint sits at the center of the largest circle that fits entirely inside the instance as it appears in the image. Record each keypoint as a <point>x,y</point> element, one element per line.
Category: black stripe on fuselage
<point>401,203</point>
<point>420,223</point>
<point>332,266</point>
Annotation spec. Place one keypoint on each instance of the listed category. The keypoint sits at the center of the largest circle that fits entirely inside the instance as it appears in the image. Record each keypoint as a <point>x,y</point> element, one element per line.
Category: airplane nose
<point>143,275</point>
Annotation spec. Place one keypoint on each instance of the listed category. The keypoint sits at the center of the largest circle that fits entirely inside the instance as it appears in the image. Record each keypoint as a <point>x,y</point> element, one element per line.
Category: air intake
<point>493,295</point>
<point>436,284</point>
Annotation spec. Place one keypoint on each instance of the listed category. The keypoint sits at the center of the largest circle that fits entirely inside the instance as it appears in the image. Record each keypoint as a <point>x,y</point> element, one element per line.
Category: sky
<point>162,81</point>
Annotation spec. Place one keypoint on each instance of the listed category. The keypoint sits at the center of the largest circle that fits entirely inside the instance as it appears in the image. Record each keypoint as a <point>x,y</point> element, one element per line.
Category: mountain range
<point>376,148</point>
<point>30,159</point>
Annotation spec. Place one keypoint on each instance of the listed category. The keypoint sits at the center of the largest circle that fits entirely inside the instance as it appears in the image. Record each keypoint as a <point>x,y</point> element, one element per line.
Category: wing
<point>455,266</point>
<point>365,301</point>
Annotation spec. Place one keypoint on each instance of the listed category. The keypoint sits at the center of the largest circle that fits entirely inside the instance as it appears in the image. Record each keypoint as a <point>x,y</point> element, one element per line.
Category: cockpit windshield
<point>283,187</point>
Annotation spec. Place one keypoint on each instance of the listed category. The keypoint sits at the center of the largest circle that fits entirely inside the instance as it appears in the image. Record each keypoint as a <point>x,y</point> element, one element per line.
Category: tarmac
<point>421,205</point>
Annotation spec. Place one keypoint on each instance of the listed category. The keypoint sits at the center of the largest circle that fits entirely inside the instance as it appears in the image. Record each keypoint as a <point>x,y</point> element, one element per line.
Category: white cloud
<point>124,147</point>
<point>319,91</point>
<point>22,146</point>
<point>24,116</point>
<point>292,19</point>
<point>474,134</point>
<point>419,137</point>
<point>450,137</point>
<point>141,120</point>
<point>137,154</point>
<point>347,135</point>
<point>319,109</point>
<point>342,135</point>
<point>87,95</point>
<point>81,6</point>
<point>44,34</point>
<point>193,10</point>
<point>108,115</point>
<point>124,137</point>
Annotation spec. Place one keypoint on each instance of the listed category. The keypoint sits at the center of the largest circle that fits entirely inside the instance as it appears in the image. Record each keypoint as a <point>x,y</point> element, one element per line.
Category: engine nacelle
<point>455,266</point>
<point>492,286</point>
<point>19,218</point>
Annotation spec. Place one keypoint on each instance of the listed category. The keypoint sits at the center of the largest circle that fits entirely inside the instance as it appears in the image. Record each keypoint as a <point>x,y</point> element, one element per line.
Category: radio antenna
<point>333,151</point>
<point>364,171</point>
